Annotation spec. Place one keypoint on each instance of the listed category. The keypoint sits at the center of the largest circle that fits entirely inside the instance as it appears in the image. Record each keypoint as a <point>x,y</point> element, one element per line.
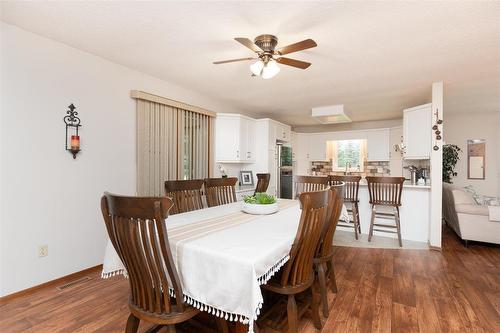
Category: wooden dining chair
<point>323,260</point>
<point>310,184</point>
<point>351,200</point>
<point>220,191</point>
<point>186,195</point>
<point>137,229</point>
<point>262,182</point>
<point>297,276</point>
<point>385,191</point>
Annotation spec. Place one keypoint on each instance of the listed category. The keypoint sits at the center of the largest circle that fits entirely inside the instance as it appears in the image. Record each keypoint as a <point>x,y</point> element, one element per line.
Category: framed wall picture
<point>476,156</point>
<point>246,178</point>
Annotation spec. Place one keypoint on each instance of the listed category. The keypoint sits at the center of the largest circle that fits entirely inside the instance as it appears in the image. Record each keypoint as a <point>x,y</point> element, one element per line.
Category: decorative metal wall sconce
<point>400,147</point>
<point>436,130</point>
<point>72,124</point>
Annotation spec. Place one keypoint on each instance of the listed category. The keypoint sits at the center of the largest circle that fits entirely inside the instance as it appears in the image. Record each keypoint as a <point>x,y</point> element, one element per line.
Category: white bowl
<point>258,209</point>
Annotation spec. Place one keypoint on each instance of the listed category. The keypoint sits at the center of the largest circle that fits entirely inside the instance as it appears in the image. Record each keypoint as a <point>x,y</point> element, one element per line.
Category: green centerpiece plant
<point>260,199</point>
<point>260,204</point>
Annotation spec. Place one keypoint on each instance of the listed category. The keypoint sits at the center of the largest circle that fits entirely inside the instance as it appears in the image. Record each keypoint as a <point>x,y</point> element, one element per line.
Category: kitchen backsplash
<point>370,169</point>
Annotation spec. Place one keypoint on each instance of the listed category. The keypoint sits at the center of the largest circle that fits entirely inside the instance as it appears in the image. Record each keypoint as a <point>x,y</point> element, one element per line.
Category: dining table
<point>224,255</point>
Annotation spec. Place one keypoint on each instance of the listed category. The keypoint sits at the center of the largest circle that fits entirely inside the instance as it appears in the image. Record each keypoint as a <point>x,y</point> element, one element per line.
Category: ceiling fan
<point>268,56</point>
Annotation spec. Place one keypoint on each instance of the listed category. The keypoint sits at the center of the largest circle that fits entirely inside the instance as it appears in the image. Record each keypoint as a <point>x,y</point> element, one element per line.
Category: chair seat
<point>173,317</point>
<point>275,286</point>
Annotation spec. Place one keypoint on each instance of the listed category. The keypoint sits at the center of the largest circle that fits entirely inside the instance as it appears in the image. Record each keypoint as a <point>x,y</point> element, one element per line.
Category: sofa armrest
<point>471,209</point>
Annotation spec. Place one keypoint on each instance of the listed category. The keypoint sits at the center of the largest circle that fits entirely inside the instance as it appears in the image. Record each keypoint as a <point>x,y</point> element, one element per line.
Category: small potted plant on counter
<point>259,204</point>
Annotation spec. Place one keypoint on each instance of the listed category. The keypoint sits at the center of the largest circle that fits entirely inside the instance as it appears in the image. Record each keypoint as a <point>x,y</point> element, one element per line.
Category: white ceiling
<point>376,58</point>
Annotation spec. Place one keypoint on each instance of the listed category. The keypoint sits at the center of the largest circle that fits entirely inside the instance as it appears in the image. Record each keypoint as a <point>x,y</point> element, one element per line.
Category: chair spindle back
<point>220,191</point>
<point>262,182</point>
<point>335,202</point>
<point>299,268</point>
<point>351,187</point>
<point>137,229</point>
<point>385,190</point>
<point>186,195</point>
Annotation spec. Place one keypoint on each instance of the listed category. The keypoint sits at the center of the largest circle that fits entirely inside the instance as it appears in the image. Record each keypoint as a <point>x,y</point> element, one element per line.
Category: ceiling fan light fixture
<point>256,67</point>
<point>270,69</point>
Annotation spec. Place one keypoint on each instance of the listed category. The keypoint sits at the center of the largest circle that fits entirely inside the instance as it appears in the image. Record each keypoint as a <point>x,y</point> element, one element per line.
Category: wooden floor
<point>380,290</point>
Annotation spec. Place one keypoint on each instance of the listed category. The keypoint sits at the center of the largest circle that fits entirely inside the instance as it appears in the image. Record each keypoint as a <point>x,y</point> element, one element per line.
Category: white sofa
<point>469,220</point>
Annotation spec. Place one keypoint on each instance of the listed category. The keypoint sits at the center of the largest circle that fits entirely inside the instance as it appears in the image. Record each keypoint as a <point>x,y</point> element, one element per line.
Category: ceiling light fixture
<point>270,69</point>
<point>265,70</point>
<point>256,68</point>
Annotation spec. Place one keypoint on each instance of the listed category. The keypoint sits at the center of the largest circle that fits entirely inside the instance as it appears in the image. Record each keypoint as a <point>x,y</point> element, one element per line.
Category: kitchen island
<point>414,210</point>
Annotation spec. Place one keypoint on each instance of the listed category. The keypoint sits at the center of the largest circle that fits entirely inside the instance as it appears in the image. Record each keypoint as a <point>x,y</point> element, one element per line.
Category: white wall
<point>475,125</point>
<point>46,196</point>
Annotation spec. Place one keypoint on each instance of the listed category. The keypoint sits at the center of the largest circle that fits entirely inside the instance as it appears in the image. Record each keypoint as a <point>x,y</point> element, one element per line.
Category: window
<point>174,141</point>
<point>347,153</point>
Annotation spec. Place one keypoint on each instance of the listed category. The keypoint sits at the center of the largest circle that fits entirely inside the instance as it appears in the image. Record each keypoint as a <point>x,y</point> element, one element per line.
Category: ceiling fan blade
<point>232,60</point>
<point>293,62</point>
<point>248,43</point>
<point>303,45</point>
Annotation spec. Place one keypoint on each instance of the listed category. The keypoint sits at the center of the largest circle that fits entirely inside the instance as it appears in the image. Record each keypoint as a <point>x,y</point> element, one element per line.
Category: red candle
<point>75,142</point>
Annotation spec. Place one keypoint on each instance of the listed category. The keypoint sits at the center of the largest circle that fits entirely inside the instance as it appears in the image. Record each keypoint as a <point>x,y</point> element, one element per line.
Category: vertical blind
<point>172,143</point>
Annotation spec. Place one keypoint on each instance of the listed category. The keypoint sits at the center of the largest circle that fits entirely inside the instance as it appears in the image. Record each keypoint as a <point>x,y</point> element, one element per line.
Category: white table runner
<point>223,256</point>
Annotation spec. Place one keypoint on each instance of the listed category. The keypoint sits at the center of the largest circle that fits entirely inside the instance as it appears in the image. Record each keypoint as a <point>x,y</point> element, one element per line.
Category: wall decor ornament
<point>72,125</point>
<point>436,130</point>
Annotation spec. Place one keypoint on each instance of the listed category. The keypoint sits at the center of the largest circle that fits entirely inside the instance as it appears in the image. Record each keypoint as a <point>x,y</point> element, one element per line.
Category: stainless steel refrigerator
<point>284,186</point>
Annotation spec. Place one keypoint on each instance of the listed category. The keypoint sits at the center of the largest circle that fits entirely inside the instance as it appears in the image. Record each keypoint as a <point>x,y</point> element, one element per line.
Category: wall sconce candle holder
<point>72,125</point>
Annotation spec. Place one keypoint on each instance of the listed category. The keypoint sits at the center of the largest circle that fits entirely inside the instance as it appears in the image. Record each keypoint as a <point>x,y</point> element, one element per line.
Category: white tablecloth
<point>223,256</point>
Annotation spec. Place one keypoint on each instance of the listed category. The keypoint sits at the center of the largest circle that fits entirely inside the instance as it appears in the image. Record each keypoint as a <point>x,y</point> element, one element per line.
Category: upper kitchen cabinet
<point>417,134</point>
<point>317,147</point>
<point>234,139</point>
<point>300,147</point>
<point>283,132</point>
<point>278,131</point>
<point>293,143</point>
<point>377,142</point>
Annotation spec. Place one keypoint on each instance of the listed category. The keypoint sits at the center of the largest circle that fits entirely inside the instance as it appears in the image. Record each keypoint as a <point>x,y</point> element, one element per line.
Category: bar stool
<point>385,192</point>
<point>351,199</point>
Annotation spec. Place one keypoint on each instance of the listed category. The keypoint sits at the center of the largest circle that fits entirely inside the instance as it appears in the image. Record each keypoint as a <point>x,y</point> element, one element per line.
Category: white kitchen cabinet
<point>317,147</point>
<point>234,139</point>
<point>302,146</point>
<point>417,132</point>
<point>249,136</point>
<point>283,132</point>
<point>278,131</point>
<point>301,167</point>
<point>293,144</point>
<point>377,142</point>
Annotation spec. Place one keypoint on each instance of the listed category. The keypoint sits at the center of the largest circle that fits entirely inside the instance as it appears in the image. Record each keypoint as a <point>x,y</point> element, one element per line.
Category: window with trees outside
<point>347,154</point>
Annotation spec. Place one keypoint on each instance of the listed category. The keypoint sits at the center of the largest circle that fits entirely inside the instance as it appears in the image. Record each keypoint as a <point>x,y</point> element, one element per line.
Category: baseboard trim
<point>60,280</point>
<point>435,248</point>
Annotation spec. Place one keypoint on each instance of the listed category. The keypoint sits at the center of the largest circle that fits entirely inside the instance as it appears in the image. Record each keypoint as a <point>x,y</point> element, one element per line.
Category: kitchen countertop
<point>244,188</point>
<point>406,184</point>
